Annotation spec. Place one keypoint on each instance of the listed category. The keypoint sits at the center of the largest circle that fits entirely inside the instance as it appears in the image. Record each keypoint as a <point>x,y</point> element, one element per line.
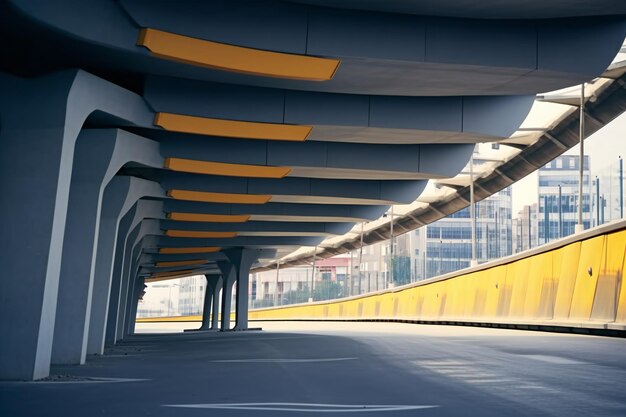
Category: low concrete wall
<point>575,282</point>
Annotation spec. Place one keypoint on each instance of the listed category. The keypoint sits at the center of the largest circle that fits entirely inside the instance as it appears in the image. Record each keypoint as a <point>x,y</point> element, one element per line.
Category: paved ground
<point>363,368</point>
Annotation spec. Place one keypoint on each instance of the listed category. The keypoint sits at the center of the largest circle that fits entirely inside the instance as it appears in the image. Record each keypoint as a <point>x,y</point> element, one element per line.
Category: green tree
<point>401,266</point>
<point>300,295</point>
<point>327,290</point>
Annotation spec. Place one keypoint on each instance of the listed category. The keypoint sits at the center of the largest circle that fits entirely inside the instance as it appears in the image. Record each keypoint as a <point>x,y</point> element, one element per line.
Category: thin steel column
<point>313,275</point>
<point>580,226</point>
<point>598,201</point>
<point>391,272</point>
<point>560,214</point>
<point>621,188</point>
<point>276,282</point>
<point>361,259</point>
<point>473,262</point>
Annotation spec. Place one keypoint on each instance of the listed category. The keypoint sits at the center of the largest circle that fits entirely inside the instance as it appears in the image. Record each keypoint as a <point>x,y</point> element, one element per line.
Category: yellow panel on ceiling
<point>229,170</point>
<point>210,218</point>
<point>233,58</point>
<point>171,273</point>
<point>194,233</point>
<point>203,249</point>
<point>231,128</point>
<point>181,263</point>
<point>219,197</point>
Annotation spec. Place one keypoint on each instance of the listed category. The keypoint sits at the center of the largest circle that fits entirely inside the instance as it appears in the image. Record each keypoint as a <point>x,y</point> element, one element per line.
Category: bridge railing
<point>574,283</point>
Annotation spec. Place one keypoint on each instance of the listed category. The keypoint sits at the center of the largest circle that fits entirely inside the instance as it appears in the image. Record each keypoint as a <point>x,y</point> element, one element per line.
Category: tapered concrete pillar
<point>113,202</point>
<point>41,119</point>
<point>116,275</point>
<point>36,153</point>
<point>92,159</point>
<point>229,275</point>
<point>138,289</point>
<point>148,227</point>
<point>125,285</point>
<point>208,301</point>
<point>99,155</point>
<point>127,235</point>
<point>242,260</point>
<point>216,303</point>
<point>209,297</point>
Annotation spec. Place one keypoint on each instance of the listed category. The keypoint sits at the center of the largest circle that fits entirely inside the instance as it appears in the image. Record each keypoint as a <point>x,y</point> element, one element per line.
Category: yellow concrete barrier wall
<point>567,283</point>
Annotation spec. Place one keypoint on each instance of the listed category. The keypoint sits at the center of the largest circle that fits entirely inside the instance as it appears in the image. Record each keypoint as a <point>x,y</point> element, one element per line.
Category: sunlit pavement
<point>303,368</point>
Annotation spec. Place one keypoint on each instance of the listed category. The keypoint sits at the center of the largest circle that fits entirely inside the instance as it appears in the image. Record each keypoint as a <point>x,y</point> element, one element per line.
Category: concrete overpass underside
<point>152,140</point>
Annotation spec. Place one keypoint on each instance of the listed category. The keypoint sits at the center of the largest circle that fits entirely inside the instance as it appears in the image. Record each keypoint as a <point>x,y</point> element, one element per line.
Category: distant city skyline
<point>603,147</point>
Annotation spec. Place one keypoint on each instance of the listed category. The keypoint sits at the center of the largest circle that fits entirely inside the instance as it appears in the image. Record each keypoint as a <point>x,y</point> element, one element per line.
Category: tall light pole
<point>621,188</point>
<point>580,226</point>
<point>391,264</point>
<point>473,262</point>
<point>546,220</point>
<point>276,283</point>
<point>361,259</point>
<point>597,201</point>
<point>313,276</point>
<point>529,230</point>
<point>560,214</point>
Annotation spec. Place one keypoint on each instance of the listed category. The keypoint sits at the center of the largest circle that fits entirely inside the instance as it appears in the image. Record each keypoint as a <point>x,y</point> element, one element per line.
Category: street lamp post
<point>361,259</point>
<point>580,227</point>
<point>473,262</point>
<point>276,282</point>
<point>621,188</point>
<point>597,201</point>
<point>391,271</point>
<point>313,276</point>
<point>546,220</point>
<point>560,214</point>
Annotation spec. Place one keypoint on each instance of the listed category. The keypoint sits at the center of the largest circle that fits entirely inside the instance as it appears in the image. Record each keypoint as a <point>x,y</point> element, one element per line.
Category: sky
<point>603,147</point>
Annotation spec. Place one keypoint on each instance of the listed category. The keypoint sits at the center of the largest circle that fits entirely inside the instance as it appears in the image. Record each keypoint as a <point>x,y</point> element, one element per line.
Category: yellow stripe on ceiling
<point>210,218</point>
<point>202,249</point>
<point>181,263</point>
<point>219,197</point>
<point>171,273</point>
<point>194,233</point>
<point>229,170</point>
<point>226,57</point>
<point>231,128</point>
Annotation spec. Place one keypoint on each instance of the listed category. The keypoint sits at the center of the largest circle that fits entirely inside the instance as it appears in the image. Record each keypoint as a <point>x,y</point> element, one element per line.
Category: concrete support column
<point>209,295</point>
<point>138,288</point>
<point>36,153</point>
<point>229,275</point>
<point>127,238</point>
<point>125,285</point>
<point>116,281</point>
<point>93,154</point>
<point>149,227</point>
<point>216,303</point>
<point>242,260</point>
<point>113,200</point>
<point>99,155</point>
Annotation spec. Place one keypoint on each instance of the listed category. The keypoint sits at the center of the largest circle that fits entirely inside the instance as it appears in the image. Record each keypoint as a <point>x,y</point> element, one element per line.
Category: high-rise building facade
<point>558,197</point>
<point>447,245</point>
<point>525,229</point>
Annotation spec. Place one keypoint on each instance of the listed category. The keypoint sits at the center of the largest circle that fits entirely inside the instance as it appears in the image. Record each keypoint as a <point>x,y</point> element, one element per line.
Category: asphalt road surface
<point>343,369</point>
